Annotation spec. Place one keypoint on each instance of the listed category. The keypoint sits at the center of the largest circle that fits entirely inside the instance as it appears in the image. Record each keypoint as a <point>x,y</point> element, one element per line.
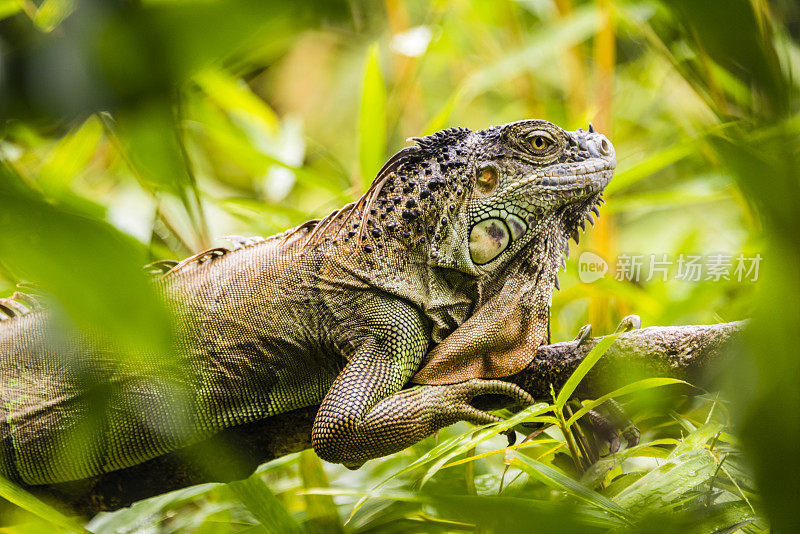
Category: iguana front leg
<point>365,414</point>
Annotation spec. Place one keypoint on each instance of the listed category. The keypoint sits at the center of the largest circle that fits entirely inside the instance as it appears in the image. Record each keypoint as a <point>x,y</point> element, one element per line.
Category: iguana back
<point>249,346</point>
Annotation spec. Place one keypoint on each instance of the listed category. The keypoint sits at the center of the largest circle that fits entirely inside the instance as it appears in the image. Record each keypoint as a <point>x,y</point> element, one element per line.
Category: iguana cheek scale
<point>487,240</point>
<point>441,274</point>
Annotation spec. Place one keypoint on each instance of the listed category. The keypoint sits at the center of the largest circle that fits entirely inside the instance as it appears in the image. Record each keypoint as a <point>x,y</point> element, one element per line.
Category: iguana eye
<point>540,142</point>
<point>488,176</point>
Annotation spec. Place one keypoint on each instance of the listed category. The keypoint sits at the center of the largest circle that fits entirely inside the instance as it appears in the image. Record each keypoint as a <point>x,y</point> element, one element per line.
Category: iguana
<point>441,273</point>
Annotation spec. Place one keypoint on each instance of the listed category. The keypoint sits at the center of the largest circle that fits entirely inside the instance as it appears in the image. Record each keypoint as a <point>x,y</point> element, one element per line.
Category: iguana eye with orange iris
<point>487,178</point>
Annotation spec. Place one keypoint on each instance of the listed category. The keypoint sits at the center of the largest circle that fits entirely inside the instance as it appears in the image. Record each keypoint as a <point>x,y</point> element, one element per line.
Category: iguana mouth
<point>580,177</point>
<point>572,179</point>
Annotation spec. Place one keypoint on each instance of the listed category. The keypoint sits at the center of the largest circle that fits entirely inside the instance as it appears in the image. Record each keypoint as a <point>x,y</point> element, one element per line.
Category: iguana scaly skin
<point>443,269</point>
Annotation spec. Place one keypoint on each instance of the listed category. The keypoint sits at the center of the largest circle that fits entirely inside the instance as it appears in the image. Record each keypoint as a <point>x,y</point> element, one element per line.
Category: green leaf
<point>70,155</point>
<point>51,13</point>
<point>602,467</point>
<point>9,7</point>
<point>458,445</point>
<point>265,507</point>
<point>639,385</point>
<point>585,366</point>
<point>698,438</point>
<point>14,494</point>
<point>558,480</point>
<point>483,434</point>
<point>323,515</point>
<point>372,119</point>
<point>669,482</point>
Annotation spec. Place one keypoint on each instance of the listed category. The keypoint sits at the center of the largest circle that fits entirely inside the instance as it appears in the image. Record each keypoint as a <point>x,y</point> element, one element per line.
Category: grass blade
<point>639,385</point>
<point>669,482</point>
<point>372,120</point>
<point>558,480</point>
<point>265,507</point>
<point>483,434</point>
<point>323,515</point>
<point>585,366</point>
<point>14,494</point>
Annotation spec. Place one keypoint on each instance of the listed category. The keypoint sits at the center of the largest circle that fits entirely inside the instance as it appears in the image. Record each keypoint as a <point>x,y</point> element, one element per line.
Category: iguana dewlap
<point>443,271</point>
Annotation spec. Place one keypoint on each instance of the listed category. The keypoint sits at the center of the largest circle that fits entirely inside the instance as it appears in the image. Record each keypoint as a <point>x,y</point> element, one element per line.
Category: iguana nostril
<point>605,147</point>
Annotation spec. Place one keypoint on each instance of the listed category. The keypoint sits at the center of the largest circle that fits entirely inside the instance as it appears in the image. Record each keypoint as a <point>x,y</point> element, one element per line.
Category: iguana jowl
<point>442,272</point>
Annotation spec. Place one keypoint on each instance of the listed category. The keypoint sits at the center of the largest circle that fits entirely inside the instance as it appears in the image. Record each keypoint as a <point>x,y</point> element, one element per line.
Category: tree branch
<point>690,353</point>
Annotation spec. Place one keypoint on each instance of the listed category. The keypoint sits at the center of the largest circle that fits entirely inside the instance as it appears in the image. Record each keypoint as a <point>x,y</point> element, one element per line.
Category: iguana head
<point>530,178</point>
<point>471,201</point>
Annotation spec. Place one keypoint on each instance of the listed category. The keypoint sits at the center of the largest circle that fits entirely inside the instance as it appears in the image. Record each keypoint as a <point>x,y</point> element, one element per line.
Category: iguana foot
<point>458,399</point>
<point>631,435</point>
<point>583,334</point>
<point>477,388</point>
<point>612,425</point>
<point>604,429</point>
<point>408,416</point>
<point>456,402</point>
<point>628,323</point>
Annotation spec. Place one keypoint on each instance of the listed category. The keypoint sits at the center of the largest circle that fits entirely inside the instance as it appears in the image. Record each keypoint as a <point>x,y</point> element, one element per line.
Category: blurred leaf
<point>323,516</point>
<point>9,7</point>
<point>724,518</point>
<point>696,192</point>
<point>263,504</point>
<point>509,514</point>
<point>51,13</point>
<point>150,143</point>
<point>70,155</point>
<point>13,493</point>
<point>144,512</point>
<point>91,268</point>
<point>372,119</point>
<point>539,48</point>
<point>236,98</point>
<point>652,163</point>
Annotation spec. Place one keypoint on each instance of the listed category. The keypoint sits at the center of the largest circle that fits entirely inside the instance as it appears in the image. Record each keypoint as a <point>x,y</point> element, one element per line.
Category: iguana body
<point>413,278</point>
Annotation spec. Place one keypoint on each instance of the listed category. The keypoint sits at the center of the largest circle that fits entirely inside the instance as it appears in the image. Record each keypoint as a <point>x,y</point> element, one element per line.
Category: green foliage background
<point>140,130</point>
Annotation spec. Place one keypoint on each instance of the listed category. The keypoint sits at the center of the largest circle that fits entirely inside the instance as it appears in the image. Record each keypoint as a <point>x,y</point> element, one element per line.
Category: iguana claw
<point>511,434</point>
<point>583,334</point>
<point>631,435</point>
<point>607,426</point>
<point>628,323</point>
